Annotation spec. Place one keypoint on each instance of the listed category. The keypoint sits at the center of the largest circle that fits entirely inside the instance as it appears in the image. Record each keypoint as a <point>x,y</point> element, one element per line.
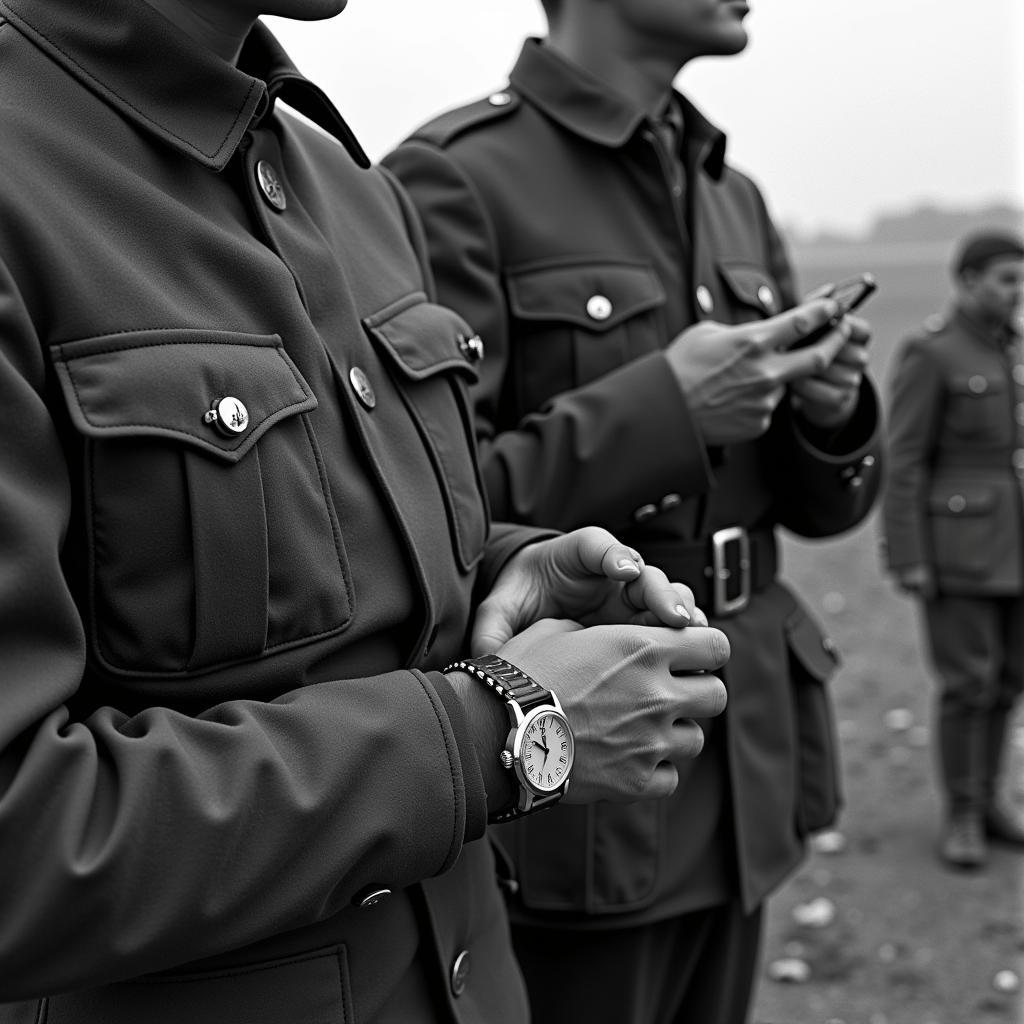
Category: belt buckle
<point>722,575</point>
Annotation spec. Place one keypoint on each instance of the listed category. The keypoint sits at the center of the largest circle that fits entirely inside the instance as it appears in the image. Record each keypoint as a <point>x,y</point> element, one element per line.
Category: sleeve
<point>585,456</point>
<point>136,837</point>
<point>915,418</point>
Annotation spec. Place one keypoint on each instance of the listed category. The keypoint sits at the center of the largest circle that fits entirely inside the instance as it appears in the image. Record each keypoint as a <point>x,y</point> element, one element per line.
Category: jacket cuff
<point>472,778</point>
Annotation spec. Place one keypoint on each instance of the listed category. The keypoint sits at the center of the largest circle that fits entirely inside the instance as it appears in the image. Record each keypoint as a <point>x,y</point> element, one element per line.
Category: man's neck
<point>646,81</point>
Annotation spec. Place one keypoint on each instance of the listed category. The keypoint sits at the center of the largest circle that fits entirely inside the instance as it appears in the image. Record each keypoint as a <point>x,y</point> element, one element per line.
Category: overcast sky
<point>839,108</point>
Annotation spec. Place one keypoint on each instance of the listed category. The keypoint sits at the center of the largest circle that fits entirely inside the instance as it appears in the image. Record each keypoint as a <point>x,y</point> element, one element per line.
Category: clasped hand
<point>583,615</point>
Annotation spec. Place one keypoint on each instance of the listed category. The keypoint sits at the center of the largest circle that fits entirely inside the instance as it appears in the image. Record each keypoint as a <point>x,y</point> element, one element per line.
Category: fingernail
<point>682,612</point>
<point>626,563</point>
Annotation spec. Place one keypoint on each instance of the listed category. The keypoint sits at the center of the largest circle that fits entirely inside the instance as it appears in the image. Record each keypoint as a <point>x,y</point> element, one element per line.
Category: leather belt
<point>722,570</point>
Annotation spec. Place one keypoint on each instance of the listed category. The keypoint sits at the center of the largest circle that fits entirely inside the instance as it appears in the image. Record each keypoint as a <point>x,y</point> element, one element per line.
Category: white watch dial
<point>547,751</point>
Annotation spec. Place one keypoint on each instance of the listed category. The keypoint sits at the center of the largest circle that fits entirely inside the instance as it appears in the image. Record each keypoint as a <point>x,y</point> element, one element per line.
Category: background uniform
<point>241,528</point>
<point>954,503</point>
<point>578,238</point>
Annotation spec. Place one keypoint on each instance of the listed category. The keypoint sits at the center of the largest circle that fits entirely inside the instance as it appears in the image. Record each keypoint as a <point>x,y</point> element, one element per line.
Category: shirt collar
<point>144,66</point>
<point>583,104</point>
<point>1000,336</point>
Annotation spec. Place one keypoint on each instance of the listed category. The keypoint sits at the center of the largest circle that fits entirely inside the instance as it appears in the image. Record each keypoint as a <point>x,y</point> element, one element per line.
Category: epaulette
<point>450,125</point>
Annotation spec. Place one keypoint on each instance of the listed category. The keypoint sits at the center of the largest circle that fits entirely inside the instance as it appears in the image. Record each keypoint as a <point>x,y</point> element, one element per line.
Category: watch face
<point>547,751</point>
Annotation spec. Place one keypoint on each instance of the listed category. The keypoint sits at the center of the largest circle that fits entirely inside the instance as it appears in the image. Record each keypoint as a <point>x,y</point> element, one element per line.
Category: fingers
<point>780,332</point>
<point>658,601</point>
<point>596,552</point>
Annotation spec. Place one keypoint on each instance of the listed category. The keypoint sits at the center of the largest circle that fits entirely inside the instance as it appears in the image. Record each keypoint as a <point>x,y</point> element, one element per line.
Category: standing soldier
<point>954,524</point>
<point>582,219</point>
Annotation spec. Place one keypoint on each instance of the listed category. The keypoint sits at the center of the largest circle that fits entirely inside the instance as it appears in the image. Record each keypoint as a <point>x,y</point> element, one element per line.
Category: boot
<point>962,844</point>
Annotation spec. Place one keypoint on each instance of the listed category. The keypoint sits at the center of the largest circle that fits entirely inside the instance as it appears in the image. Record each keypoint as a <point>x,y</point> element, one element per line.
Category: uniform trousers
<point>977,647</point>
<point>697,968</point>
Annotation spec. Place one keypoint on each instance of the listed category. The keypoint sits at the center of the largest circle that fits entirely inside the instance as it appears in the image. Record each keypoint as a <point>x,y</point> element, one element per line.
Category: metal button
<point>229,416</point>
<point>472,348</point>
<point>361,386</point>
<point>855,482</point>
<point>956,503</point>
<point>460,973</point>
<point>704,299</point>
<point>499,99</point>
<point>978,384</point>
<point>671,501</point>
<point>868,461</point>
<point>645,512</point>
<point>766,297</point>
<point>1018,458</point>
<point>599,307</point>
<point>1018,373</point>
<point>270,184</point>
<point>371,899</point>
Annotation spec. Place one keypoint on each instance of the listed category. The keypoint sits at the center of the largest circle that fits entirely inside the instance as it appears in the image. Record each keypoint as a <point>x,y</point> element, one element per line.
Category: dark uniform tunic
<point>955,503</point>
<point>241,527</point>
<point>559,227</point>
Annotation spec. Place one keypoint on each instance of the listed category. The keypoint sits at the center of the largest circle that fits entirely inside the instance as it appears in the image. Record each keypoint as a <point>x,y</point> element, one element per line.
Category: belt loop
<point>721,574</point>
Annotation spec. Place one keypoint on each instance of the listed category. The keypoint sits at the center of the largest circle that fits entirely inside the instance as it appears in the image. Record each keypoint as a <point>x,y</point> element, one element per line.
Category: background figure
<point>954,524</point>
<point>581,220</point>
<point>242,538</point>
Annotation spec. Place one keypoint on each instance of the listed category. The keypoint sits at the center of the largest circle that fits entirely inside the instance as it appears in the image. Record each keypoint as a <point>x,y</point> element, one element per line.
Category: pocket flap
<point>815,651</point>
<point>163,383</point>
<point>751,285</point>
<point>965,499</point>
<point>422,338</point>
<point>597,296</point>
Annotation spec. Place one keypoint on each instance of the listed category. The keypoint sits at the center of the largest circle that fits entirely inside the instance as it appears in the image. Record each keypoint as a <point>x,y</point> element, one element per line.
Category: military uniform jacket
<point>557,228</point>
<point>956,443</point>
<point>240,527</point>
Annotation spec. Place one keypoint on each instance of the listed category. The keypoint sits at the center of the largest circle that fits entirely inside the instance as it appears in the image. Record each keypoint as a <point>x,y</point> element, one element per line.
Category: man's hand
<point>734,377</point>
<point>918,580</point>
<point>828,399</point>
<point>586,576</point>
<point>631,694</point>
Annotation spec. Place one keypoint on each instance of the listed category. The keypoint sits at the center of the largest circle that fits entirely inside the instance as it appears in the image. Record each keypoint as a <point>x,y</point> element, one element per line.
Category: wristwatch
<point>540,745</point>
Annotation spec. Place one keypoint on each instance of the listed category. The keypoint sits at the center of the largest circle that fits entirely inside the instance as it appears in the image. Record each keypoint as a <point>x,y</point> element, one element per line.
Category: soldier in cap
<point>954,526</point>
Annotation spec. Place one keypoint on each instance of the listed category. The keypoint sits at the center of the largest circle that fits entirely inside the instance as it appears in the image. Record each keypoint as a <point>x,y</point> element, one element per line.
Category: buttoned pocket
<point>573,321</point>
<point>978,408</point>
<point>211,535</point>
<point>812,663</point>
<point>432,351</point>
<point>752,291</point>
<point>964,528</point>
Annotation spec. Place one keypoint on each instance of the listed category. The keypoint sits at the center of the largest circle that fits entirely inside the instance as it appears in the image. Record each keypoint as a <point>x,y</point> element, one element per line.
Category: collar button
<point>270,185</point>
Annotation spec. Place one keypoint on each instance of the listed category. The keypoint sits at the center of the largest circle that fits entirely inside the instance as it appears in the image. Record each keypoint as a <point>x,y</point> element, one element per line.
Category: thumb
<point>483,642</point>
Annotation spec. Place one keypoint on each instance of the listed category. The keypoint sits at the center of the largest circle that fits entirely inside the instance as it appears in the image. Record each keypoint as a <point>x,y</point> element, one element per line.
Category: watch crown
<point>506,759</point>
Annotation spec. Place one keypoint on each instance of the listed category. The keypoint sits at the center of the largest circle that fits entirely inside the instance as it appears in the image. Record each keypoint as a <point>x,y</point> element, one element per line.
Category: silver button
<point>371,899</point>
<point>671,501</point>
<point>460,973</point>
<point>472,348</point>
<point>766,297</point>
<point>978,384</point>
<point>645,512</point>
<point>867,462</point>
<point>1018,373</point>
<point>270,184</point>
<point>499,99</point>
<point>704,299</point>
<point>1018,458</point>
<point>599,307</point>
<point>956,503</point>
<point>229,416</point>
<point>361,386</point>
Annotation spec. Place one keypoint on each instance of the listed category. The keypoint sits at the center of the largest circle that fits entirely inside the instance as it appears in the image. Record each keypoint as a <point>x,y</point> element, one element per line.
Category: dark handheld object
<point>849,294</point>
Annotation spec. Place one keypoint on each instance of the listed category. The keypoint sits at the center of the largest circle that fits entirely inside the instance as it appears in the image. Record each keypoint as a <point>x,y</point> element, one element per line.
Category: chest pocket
<point>978,408</point>
<point>749,291</point>
<point>429,349</point>
<point>211,540</point>
<point>573,322</point>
